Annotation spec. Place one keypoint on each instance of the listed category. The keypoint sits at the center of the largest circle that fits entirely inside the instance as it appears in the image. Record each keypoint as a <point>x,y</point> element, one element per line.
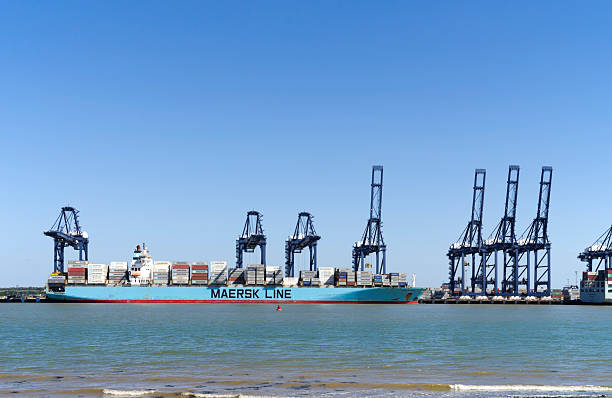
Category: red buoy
<point>278,308</point>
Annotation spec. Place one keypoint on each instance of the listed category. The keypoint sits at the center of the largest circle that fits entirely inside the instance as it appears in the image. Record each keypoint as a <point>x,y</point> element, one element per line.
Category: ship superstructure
<point>141,266</point>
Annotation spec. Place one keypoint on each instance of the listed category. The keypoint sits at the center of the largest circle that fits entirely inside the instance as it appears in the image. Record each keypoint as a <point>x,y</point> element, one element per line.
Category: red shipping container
<point>77,271</point>
<point>200,267</point>
<point>180,266</point>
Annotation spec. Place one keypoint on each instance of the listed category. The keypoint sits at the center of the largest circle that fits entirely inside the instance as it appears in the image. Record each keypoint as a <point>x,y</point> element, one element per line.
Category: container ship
<point>146,281</point>
<point>596,287</point>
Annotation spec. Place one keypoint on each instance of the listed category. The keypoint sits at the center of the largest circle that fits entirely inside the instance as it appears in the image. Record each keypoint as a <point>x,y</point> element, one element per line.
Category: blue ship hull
<point>237,294</point>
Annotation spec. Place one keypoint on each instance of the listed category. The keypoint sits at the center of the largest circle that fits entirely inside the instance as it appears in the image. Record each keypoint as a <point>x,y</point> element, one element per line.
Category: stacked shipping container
<point>255,274</point>
<point>236,276</point>
<point>117,272</point>
<point>180,273</point>
<point>77,275</point>
<point>161,273</point>
<point>341,275</point>
<point>274,275</point>
<point>306,277</point>
<point>81,272</point>
<point>199,273</point>
<point>350,278</point>
<point>218,274</point>
<point>364,278</point>
<point>97,274</point>
<point>326,276</point>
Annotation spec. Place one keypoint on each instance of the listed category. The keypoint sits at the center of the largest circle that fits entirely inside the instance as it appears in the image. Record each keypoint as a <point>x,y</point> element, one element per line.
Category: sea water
<point>304,350</point>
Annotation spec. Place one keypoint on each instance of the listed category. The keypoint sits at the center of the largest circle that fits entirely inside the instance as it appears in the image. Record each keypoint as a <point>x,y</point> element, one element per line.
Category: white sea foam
<point>527,387</point>
<point>202,395</point>
<point>128,393</point>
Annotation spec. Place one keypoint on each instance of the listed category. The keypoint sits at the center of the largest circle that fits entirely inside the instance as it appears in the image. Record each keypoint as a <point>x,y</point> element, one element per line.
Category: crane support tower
<point>304,236</point>
<point>532,242</point>
<point>600,250</point>
<point>470,240</point>
<point>501,241</point>
<point>252,236</point>
<point>372,240</point>
<point>65,232</point>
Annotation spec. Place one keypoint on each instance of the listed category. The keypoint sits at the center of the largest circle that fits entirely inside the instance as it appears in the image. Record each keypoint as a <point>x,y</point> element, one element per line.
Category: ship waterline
<point>237,294</point>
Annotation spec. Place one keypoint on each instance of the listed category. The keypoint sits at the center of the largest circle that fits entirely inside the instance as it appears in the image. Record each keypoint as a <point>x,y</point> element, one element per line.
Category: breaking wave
<point>527,387</point>
<point>128,393</point>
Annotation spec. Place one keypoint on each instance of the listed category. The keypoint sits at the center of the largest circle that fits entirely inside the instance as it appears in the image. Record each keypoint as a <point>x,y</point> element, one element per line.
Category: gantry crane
<point>372,240</point>
<point>502,239</point>
<point>470,240</point>
<point>533,240</point>
<point>252,236</point>
<point>65,232</point>
<point>303,236</point>
<point>601,251</point>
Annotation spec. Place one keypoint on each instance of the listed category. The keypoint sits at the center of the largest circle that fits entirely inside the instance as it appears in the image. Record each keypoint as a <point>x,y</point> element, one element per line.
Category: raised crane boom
<point>252,236</point>
<point>600,250</point>
<point>372,240</point>
<point>65,232</point>
<point>503,237</point>
<point>470,240</point>
<point>534,239</point>
<point>303,236</point>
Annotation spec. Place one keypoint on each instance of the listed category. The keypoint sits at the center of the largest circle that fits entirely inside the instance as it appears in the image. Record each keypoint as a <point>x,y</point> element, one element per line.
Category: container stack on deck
<point>255,274</point>
<point>77,275</point>
<point>364,278</point>
<point>236,276</point>
<point>56,281</point>
<point>199,273</point>
<point>218,274</point>
<point>161,273</point>
<point>117,272</point>
<point>180,273</point>
<point>274,275</point>
<point>306,277</point>
<point>326,276</point>
<point>97,274</point>
<point>350,279</point>
<point>341,276</point>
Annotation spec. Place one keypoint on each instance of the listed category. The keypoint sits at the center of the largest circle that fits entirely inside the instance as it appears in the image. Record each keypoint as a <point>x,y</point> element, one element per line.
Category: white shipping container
<point>161,266</point>
<point>290,281</point>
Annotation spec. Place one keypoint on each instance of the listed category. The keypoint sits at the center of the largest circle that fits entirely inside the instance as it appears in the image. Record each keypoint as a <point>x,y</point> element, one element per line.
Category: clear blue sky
<point>165,122</point>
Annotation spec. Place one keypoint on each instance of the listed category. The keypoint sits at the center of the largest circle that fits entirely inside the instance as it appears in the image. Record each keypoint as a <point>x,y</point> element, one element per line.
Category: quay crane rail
<point>304,236</point>
<point>252,237</point>
<point>65,232</point>
<point>372,240</point>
